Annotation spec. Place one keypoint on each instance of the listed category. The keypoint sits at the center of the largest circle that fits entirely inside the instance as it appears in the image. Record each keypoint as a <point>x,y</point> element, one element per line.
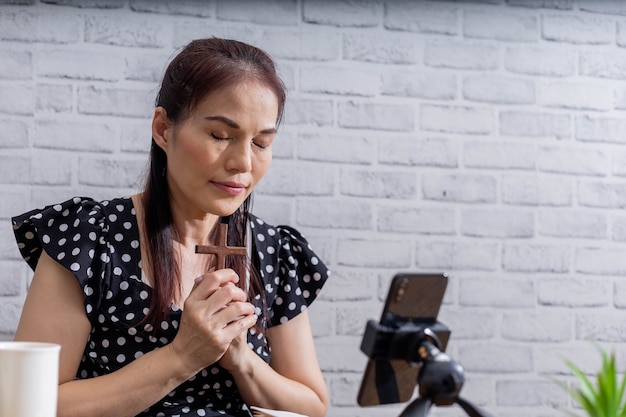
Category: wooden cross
<point>221,249</point>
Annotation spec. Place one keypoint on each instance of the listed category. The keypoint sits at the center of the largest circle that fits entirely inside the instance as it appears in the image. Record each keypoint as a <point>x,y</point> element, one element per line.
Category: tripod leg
<point>417,408</point>
<point>471,409</point>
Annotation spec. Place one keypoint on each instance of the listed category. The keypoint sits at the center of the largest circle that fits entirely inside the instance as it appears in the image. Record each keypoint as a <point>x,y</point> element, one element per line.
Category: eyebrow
<point>234,125</point>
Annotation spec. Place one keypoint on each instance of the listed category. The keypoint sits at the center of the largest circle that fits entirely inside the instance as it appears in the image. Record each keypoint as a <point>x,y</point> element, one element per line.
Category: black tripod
<point>439,379</point>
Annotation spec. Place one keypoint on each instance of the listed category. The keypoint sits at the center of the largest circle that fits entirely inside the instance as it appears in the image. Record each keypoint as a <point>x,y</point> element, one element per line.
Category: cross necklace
<point>221,249</point>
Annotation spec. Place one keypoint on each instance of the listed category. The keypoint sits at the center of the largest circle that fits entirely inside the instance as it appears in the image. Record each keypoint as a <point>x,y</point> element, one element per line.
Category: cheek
<point>262,166</point>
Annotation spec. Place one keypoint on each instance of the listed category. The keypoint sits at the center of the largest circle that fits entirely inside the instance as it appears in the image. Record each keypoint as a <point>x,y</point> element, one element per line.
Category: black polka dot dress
<point>99,243</point>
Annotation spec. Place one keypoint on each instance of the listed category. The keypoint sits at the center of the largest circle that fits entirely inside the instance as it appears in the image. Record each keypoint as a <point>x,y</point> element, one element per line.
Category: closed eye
<point>219,138</point>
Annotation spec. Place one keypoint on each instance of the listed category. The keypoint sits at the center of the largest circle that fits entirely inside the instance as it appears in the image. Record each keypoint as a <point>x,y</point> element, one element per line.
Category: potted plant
<point>602,396</point>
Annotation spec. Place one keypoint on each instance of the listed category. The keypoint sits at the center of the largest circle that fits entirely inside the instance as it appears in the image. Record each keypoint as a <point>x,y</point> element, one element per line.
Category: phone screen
<point>412,298</point>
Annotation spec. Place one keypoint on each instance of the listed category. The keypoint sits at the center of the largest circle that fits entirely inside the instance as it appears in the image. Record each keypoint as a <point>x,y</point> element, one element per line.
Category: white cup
<point>29,379</point>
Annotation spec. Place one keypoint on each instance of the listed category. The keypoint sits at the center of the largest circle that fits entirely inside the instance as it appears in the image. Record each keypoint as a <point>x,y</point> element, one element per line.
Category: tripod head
<point>440,378</point>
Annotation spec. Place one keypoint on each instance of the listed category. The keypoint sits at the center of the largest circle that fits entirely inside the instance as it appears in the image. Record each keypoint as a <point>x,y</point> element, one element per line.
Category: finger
<point>223,296</point>
<point>236,327</point>
<point>206,284</point>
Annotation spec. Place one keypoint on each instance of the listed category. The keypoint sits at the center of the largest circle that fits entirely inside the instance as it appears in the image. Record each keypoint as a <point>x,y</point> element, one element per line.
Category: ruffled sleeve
<point>292,272</point>
<point>74,234</point>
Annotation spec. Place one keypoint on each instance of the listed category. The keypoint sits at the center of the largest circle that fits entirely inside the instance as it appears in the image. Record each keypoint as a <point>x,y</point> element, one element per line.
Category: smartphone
<point>413,298</point>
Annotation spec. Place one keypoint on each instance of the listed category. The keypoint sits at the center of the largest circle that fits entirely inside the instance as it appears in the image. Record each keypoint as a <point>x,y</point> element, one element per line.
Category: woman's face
<point>217,155</point>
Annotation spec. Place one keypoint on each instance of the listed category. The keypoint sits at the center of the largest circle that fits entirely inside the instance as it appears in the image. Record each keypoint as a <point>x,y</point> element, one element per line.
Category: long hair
<point>202,67</point>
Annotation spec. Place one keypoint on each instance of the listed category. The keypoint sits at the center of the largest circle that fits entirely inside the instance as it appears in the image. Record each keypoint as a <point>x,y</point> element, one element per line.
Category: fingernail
<point>198,279</point>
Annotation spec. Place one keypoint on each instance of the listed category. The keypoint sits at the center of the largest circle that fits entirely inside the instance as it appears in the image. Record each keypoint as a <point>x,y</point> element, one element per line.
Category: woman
<point>144,328</point>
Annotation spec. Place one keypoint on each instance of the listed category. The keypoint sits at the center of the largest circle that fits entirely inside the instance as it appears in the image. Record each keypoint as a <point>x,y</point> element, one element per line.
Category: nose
<point>239,158</point>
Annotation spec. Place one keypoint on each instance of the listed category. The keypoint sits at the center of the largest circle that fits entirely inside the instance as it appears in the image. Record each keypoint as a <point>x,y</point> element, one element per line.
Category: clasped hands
<point>214,322</point>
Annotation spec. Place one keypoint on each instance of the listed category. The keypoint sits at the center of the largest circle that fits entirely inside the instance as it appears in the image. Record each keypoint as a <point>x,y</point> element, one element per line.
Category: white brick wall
<point>484,138</point>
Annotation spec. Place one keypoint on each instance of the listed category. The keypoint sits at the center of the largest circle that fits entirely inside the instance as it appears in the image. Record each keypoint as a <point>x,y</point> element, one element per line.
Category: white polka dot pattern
<point>99,243</point>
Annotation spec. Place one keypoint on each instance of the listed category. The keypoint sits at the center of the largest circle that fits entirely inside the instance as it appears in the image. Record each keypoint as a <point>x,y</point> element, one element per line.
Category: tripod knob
<point>440,378</point>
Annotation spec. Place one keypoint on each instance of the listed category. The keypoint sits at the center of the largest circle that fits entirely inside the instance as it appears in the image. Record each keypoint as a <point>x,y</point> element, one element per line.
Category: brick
<point>535,124</point>
<point>603,65</point>
<point>496,357</point>
<point>62,63</point>
<point>15,169</point>
<point>573,292</point>
<point>577,96</point>
<point>423,152</point>
<point>501,26</point>
<point>147,67</point>
<point>322,316</point>
<point>110,172</point>
<point>17,99</point>
<point>601,261</point>
<point>14,133</point>
<point>545,4</point>
<point>13,279</point>
<point>600,129</point>
<point>339,354</point>
<point>309,112</point>
<point>10,311</point>
<point>469,323</point>
<point>54,98</point>
<point>16,65</point>
<point>421,17</point>
<point>8,247</point>
<point>98,4</point>
<point>537,190</point>
<point>12,203</point>
<point>350,319</point>
<point>51,168</point>
<point>299,182</point>
<point>390,117</point>
<point>621,34</point>
<point>582,161</point>
<point>459,188</point>
<point>71,135</point>
<point>49,27</point>
<point>572,224</point>
<point>461,55</point>
<point>577,29</point>
<point>499,223</point>
<point>377,254</point>
<point>275,209</point>
<point>602,194</point>
<point>136,137</point>
<point>350,285</point>
<point>552,359</point>
<point>411,83</point>
<point>549,62</point>
<point>342,81</point>
<point>114,102</point>
<point>197,8</point>
<point>272,12</point>
<point>498,89</point>
<point>130,31</point>
<point>499,155</point>
<point>327,213</point>
<point>618,228</point>
<point>545,327</point>
<point>393,48</point>
<point>187,29</point>
<point>336,148</point>
<point>378,184</point>
<point>341,387</point>
<point>612,7</point>
<point>302,45</point>
<point>428,221</point>
<point>342,14</point>
<point>497,293</point>
<point>535,258</point>
<point>619,294</point>
<point>457,256</point>
<point>456,119</point>
<point>601,327</point>
<point>530,393</point>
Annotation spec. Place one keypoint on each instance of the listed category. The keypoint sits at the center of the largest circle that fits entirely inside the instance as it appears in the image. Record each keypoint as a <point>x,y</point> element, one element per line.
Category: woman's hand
<point>215,313</point>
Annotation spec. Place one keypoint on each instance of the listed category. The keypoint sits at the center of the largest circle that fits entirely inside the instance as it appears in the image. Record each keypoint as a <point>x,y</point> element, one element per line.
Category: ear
<point>161,128</point>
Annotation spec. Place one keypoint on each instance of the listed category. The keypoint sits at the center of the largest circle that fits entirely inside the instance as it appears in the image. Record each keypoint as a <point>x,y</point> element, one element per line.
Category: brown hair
<point>202,67</point>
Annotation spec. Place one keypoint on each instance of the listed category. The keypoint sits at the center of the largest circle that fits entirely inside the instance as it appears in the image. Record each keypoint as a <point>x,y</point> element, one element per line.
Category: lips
<point>232,188</point>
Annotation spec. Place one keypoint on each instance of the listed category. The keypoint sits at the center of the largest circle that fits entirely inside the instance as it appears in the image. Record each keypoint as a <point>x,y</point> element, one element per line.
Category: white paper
<point>274,413</point>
